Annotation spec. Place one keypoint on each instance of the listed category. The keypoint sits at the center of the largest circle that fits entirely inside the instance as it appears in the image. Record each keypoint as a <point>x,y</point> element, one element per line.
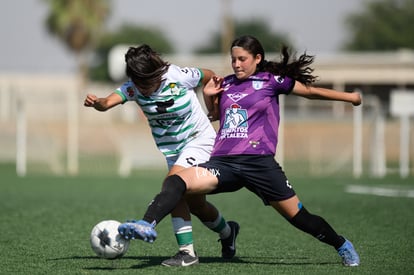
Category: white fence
<point>44,127</point>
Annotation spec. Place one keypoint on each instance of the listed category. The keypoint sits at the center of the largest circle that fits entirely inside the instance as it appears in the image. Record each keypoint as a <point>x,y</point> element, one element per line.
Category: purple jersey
<point>249,114</point>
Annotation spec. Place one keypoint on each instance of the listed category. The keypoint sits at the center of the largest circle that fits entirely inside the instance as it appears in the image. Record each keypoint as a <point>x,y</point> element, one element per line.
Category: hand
<point>90,100</point>
<point>357,99</point>
<point>214,113</point>
<point>213,87</point>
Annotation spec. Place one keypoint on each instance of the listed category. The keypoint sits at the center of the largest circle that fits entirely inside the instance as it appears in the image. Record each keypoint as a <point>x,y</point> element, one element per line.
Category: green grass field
<point>46,222</point>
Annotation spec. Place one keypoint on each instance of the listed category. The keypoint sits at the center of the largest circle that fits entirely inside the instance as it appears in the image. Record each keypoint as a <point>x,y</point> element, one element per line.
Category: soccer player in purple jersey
<point>245,146</point>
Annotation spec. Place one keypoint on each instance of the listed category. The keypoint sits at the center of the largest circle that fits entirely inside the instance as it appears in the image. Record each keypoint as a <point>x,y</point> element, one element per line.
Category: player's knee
<point>165,202</point>
<point>174,184</point>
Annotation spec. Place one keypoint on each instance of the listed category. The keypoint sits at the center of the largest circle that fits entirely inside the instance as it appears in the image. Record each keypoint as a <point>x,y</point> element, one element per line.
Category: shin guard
<point>166,201</point>
<point>317,227</point>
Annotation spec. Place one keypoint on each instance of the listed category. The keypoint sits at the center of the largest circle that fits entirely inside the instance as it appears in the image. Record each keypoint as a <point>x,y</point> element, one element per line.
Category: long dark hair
<point>297,69</point>
<point>144,66</point>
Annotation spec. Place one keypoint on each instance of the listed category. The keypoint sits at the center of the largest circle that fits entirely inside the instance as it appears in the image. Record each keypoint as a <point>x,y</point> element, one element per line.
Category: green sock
<point>220,226</point>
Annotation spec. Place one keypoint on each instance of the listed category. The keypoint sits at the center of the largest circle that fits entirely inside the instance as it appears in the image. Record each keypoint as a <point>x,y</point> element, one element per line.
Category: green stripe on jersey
<point>189,127</point>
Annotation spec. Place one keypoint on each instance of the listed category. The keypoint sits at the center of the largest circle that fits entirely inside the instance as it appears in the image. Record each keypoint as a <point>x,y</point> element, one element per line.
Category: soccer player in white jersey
<point>182,132</point>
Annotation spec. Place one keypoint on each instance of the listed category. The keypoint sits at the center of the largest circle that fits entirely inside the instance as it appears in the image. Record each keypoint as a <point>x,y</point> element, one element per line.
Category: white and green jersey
<point>173,111</point>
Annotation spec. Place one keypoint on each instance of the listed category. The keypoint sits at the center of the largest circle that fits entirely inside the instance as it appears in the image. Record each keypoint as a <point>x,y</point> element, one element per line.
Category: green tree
<point>271,41</point>
<point>382,25</point>
<point>77,23</point>
<point>127,34</point>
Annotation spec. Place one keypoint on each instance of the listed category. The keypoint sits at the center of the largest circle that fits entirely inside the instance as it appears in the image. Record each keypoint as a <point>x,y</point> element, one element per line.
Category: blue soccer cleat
<point>141,230</point>
<point>348,254</point>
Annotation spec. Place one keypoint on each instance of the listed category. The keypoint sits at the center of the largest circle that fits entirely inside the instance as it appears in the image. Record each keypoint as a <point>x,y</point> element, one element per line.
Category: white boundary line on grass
<point>380,191</point>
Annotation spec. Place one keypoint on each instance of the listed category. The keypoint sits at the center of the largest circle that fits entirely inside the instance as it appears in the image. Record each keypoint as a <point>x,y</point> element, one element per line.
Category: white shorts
<point>195,152</point>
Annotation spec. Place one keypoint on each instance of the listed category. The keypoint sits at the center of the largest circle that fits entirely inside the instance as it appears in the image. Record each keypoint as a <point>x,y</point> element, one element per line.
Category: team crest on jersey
<point>257,85</point>
<point>236,96</point>
<point>174,89</point>
<point>130,92</point>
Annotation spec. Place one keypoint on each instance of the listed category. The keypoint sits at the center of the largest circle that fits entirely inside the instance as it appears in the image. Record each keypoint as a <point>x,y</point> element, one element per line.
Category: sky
<point>316,26</point>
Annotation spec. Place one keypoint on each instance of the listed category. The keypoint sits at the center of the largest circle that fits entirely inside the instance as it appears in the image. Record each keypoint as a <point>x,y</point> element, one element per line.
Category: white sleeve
<point>187,76</point>
<point>127,91</point>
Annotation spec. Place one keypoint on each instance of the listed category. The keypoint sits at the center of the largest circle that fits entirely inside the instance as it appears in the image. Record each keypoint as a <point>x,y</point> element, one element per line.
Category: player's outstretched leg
<point>138,230</point>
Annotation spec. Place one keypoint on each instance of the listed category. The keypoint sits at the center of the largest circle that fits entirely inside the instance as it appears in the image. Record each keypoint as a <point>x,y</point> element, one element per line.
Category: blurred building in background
<point>45,128</point>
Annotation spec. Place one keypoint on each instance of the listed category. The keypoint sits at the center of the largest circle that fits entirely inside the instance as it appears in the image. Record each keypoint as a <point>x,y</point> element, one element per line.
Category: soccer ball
<point>106,241</point>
